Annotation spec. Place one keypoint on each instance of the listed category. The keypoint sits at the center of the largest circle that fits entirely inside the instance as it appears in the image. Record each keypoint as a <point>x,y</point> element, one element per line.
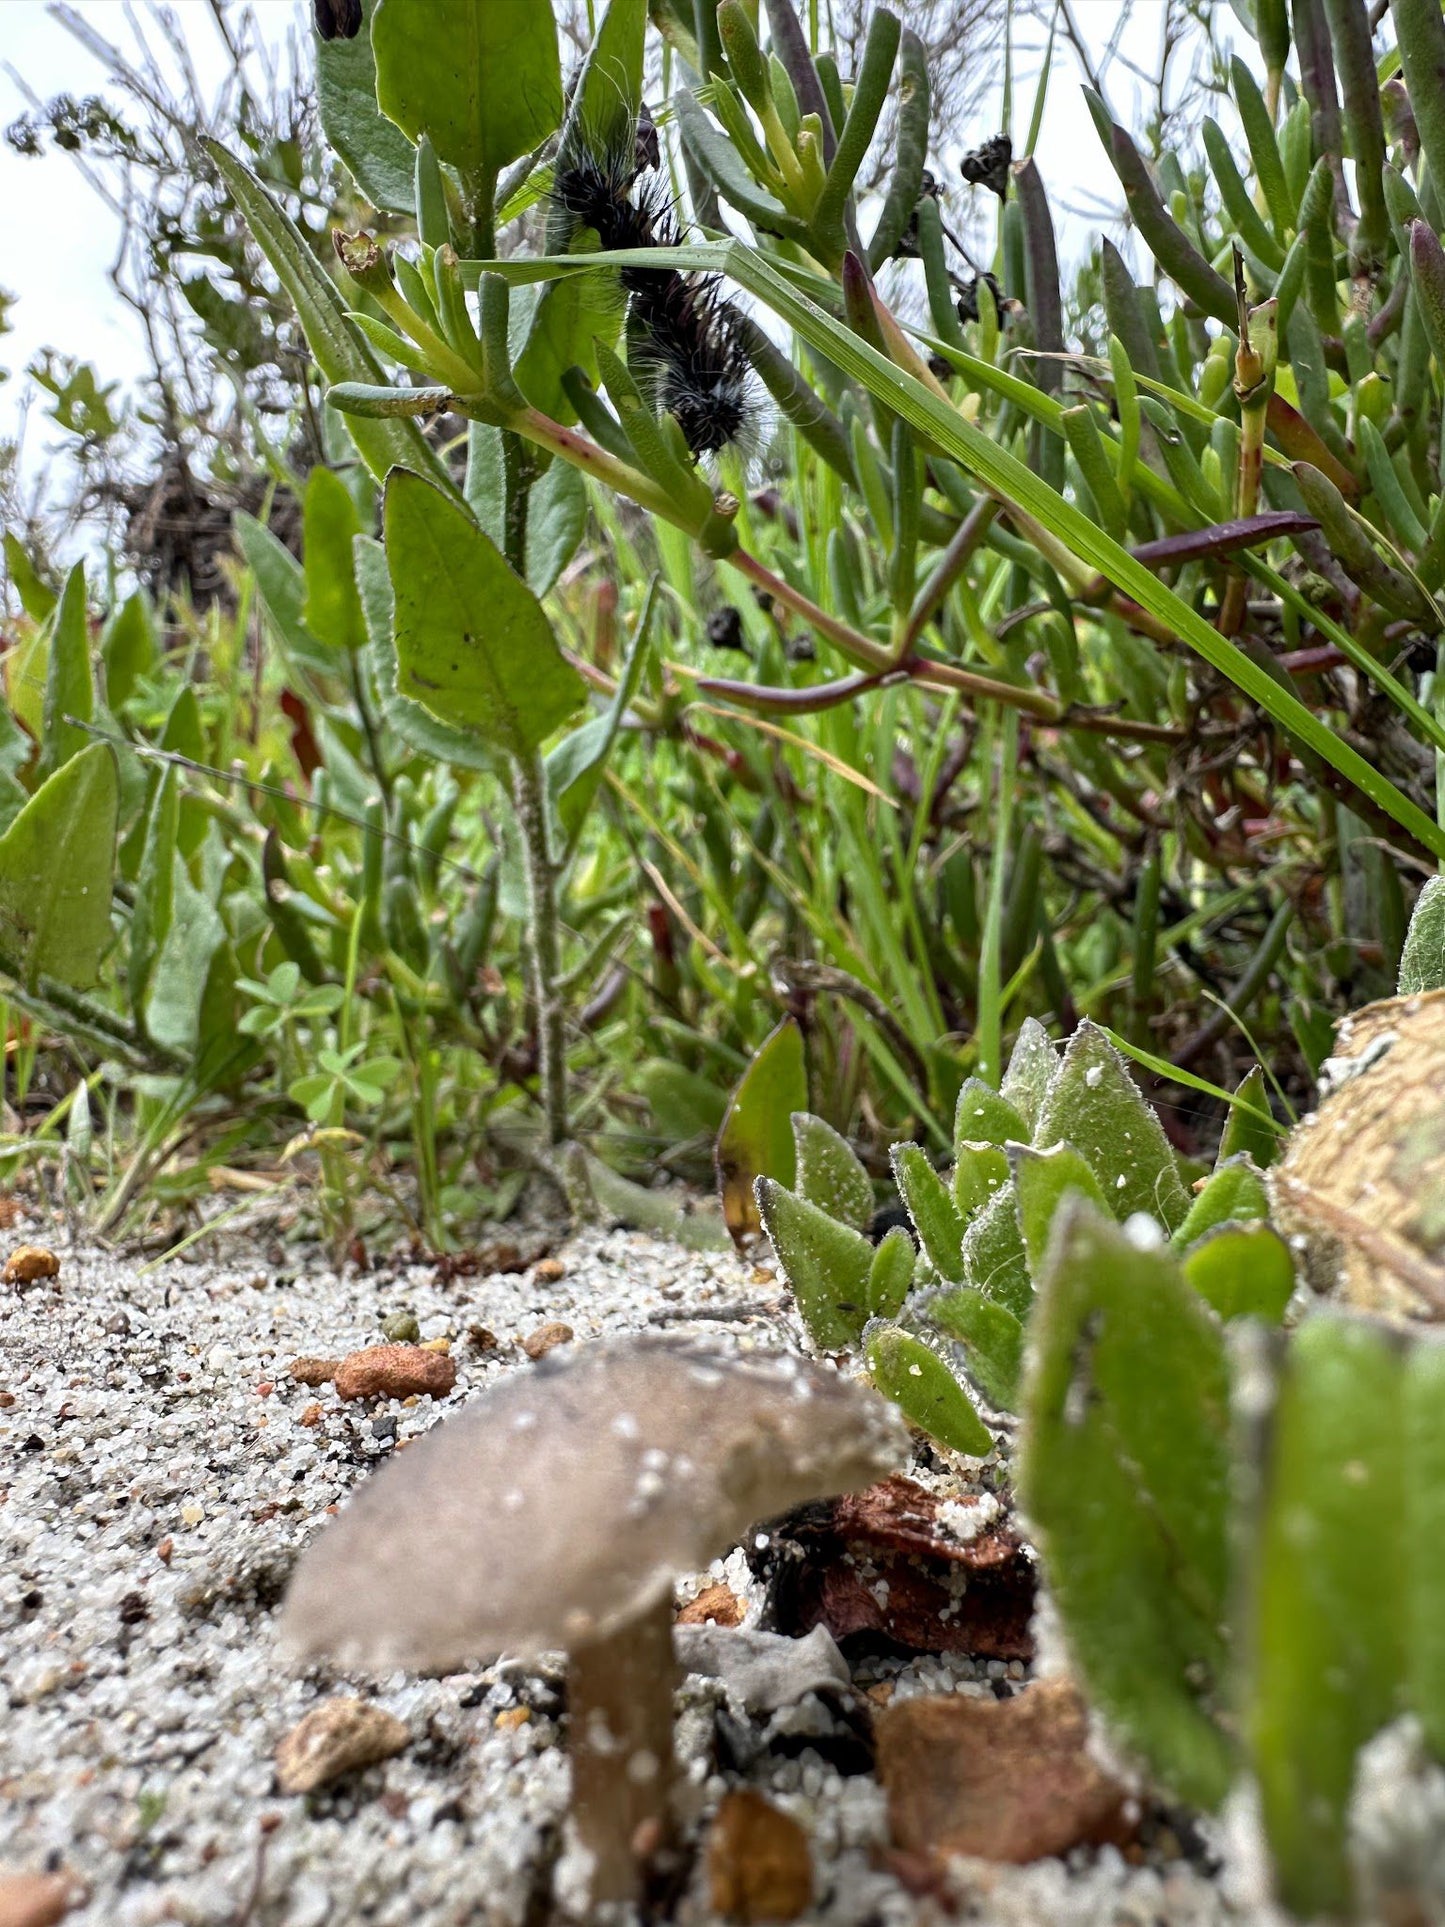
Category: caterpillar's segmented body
<point>694,361</point>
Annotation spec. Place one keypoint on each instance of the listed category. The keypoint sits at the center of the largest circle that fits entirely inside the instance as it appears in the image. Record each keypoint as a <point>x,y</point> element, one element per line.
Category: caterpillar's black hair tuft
<point>693,359</point>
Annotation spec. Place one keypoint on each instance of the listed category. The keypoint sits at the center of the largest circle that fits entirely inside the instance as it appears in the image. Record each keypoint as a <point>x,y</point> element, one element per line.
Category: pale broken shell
<point>339,1736</point>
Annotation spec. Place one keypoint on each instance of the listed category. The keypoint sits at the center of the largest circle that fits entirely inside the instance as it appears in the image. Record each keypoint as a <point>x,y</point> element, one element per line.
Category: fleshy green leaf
<point>890,1277</point>
<point>127,649</point>
<point>1125,1476</point>
<point>1422,962</point>
<point>575,768</point>
<point>911,1373</point>
<point>37,598</point>
<point>756,1139</point>
<point>979,1171</point>
<point>1234,1191</point>
<point>414,725</point>
<point>480,77</point>
<point>1041,1181</point>
<point>69,689</point>
<point>826,1264</point>
<point>1031,1068</point>
<point>931,1207</point>
<point>1424,1404</point>
<point>339,351</point>
<point>993,1339</point>
<point>1243,1271</point>
<point>1326,1657</point>
<point>473,644</point>
<point>381,158</point>
<point>1246,1128</point>
<point>1095,1105</point>
<point>56,862</point>
<point>983,1115</point>
<point>332,609</point>
<point>829,1175</point>
<point>994,1258</point>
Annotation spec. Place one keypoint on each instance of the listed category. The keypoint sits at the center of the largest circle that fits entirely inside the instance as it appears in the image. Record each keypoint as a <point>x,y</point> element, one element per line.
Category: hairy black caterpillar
<point>680,329</point>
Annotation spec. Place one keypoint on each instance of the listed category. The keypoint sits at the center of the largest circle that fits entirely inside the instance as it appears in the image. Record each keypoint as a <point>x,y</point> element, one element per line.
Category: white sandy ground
<point>142,1699</point>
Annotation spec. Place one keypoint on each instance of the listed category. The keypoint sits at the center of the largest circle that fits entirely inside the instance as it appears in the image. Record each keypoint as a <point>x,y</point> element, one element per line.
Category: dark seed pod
<point>725,629</point>
<point>988,165</point>
<point>647,155</point>
<point>337,19</point>
<point>968,299</point>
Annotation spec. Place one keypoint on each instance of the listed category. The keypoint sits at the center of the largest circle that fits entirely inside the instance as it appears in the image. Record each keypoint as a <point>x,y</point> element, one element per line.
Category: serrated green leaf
<point>473,644</point>
<point>1234,1190</point>
<point>909,1371</point>
<point>1243,1271</point>
<point>1326,1657</point>
<point>332,608</point>
<point>1125,1477</point>
<point>826,1264</point>
<point>930,1205</point>
<point>56,863</point>
<point>993,1339</point>
<point>756,1139</point>
<point>480,77</point>
<point>1042,1179</point>
<point>829,1175</point>
<point>890,1277</point>
<point>1422,961</point>
<point>1094,1105</point>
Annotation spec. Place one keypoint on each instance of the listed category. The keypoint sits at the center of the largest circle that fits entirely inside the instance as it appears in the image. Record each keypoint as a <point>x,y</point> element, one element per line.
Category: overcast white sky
<point>57,240</point>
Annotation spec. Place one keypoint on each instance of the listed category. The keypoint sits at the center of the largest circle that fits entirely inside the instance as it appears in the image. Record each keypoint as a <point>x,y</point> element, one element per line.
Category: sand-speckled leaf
<point>1234,1190</point>
<point>983,1116</point>
<point>829,1173</point>
<point>473,644</point>
<point>756,1139</point>
<point>1243,1271</point>
<point>1041,1180</point>
<point>994,1259</point>
<point>1095,1105</point>
<point>1325,1657</point>
<point>827,1265</point>
<point>920,1384</point>
<point>1032,1065</point>
<point>482,78</point>
<point>1125,1478</point>
<point>979,1171</point>
<point>56,863</point>
<point>993,1341</point>
<point>1422,961</point>
<point>930,1205</point>
<point>890,1276</point>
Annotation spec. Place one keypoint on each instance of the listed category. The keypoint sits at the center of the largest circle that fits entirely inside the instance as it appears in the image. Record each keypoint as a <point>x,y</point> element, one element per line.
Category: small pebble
<point>546,1338</point>
<point>118,1325</point>
<point>28,1264</point>
<point>547,1271</point>
<point>311,1416</point>
<point>394,1371</point>
<point>314,1371</point>
<point>758,1863</point>
<point>401,1328</point>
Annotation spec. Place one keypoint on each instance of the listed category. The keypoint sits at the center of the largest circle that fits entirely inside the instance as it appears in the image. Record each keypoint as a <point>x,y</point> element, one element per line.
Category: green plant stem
<point>989,1035</point>
<point>529,797</point>
<point>950,565</point>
